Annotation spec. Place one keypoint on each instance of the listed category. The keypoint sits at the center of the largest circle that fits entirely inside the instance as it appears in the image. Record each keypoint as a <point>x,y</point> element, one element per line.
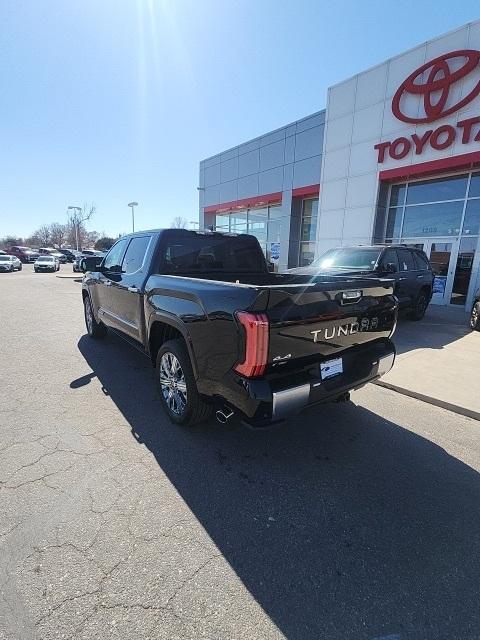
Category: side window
<point>135,254</point>
<point>422,260</point>
<point>390,256</point>
<point>405,260</point>
<point>113,259</point>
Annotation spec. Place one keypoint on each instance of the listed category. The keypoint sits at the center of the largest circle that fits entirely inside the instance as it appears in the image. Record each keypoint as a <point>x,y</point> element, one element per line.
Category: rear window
<point>348,258</point>
<point>422,260</point>
<point>199,253</point>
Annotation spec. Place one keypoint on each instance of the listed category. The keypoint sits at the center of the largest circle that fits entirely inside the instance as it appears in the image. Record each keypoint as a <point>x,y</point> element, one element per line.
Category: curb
<point>70,276</point>
<point>454,408</point>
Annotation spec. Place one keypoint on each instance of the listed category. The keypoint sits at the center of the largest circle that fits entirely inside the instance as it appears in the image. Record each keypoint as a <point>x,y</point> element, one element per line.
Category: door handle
<point>420,277</point>
<point>401,279</point>
<point>133,290</point>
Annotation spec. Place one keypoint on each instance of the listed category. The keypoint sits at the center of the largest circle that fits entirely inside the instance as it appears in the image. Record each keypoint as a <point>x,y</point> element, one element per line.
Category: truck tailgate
<point>312,321</point>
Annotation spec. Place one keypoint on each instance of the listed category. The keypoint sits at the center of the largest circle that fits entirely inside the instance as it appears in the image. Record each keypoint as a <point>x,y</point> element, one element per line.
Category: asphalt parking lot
<point>357,521</point>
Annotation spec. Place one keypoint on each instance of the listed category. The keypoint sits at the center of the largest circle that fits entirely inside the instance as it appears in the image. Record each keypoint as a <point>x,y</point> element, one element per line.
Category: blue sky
<point>117,100</point>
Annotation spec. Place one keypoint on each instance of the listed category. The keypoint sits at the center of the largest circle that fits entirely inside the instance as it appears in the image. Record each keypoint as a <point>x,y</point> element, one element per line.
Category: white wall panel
<point>371,86</point>
<point>367,123</point>
<point>362,160</point>
<point>333,194</point>
<point>358,222</point>
<point>335,164</point>
<point>362,191</point>
<point>330,224</point>
<point>338,132</point>
<point>341,98</point>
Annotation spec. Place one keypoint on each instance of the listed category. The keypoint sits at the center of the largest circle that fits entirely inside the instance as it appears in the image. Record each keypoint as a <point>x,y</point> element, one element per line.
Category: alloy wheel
<point>88,316</point>
<point>172,383</point>
<point>475,317</point>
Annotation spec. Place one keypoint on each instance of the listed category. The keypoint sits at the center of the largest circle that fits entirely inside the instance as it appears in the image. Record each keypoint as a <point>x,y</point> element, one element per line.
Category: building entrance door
<point>442,254</point>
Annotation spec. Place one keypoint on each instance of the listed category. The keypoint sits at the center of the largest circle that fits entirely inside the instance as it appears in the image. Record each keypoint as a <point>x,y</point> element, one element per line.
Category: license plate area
<point>331,368</point>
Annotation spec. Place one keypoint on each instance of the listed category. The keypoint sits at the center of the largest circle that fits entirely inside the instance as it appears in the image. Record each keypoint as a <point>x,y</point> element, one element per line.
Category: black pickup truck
<point>226,334</point>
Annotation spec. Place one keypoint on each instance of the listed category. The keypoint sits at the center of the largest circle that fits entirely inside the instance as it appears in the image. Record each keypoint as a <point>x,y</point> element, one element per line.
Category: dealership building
<point>394,158</point>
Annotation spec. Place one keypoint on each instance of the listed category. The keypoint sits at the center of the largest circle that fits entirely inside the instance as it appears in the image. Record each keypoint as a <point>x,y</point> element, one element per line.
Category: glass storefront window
<point>222,222</point>
<point>265,223</point>
<point>397,195</point>
<point>307,253</point>
<point>238,222</point>
<point>428,220</point>
<point>474,191</point>
<point>452,188</point>
<point>471,224</point>
<point>394,223</point>
<point>463,270</point>
<point>309,219</point>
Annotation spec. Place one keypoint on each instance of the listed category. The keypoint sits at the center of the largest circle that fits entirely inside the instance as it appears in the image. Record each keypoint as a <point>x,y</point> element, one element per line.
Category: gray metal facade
<point>280,161</point>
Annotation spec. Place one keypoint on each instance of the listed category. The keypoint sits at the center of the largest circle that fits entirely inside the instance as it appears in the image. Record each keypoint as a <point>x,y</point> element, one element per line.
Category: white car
<point>46,263</point>
<point>10,263</point>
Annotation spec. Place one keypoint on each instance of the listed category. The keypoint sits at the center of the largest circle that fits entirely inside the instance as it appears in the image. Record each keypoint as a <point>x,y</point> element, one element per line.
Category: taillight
<point>256,344</point>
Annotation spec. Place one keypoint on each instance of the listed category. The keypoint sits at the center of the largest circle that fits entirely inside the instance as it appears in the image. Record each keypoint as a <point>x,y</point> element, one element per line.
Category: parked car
<point>46,263</point>
<point>224,331</point>
<point>475,313</point>
<point>25,254</point>
<point>50,251</point>
<point>10,263</point>
<point>85,254</point>
<point>69,254</point>
<point>3,253</point>
<point>408,267</point>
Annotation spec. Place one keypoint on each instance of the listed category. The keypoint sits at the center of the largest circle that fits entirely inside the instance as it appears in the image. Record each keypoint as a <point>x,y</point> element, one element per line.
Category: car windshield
<point>364,259</point>
<point>46,259</point>
<point>5,258</point>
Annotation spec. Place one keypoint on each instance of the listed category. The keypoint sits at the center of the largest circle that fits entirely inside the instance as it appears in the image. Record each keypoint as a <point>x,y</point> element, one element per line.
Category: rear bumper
<point>262,402</point>
<point>290,401</point>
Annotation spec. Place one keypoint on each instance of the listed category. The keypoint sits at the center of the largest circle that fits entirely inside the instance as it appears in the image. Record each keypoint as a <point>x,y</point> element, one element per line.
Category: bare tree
<point>76,220</point>
<point>179,222</point>
<point>42,236</point>
<point>58,234</point>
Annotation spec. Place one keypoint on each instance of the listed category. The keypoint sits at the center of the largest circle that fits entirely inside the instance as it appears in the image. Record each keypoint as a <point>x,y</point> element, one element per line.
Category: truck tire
<point>420,306</point>
<point>95,329</point>
<point>475,317</point>
<point>177,387</point>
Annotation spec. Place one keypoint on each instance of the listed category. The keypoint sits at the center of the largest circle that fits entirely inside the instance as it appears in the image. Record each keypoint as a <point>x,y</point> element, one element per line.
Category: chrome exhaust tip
<point>223,416</point>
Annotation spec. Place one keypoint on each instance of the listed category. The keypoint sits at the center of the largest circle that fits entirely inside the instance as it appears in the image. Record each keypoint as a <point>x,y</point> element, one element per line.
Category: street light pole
<point>132,205</point>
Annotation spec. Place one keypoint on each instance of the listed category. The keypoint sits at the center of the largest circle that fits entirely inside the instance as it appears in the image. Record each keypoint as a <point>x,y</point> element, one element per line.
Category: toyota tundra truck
<point>226,334</point>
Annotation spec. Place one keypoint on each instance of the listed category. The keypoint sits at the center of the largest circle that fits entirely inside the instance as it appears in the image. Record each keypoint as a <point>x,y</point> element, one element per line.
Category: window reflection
<point>452,188</point>
<point>428,220</point>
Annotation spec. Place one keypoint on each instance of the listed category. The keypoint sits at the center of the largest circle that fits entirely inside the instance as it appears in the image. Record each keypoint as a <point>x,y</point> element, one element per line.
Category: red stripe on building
<point>311,190</point>
<point>464,161</point>
<point>254,201</point>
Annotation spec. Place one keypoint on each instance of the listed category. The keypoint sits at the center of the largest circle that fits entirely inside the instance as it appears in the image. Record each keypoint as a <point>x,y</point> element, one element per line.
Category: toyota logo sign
<point>436,89</point>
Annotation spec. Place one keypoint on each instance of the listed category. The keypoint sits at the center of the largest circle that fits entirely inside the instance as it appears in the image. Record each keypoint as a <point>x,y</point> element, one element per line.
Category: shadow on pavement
<point>341,525</point>
<point>441,326</point>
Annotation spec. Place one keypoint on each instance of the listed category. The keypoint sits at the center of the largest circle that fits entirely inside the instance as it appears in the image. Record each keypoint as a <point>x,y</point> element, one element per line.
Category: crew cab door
<point>110,271</point>
<point>408,286</point>
<point>126,290</point>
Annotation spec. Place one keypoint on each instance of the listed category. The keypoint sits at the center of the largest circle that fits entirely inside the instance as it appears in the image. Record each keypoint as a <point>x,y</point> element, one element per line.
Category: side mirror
<point>390,267</point>
<point>90,263</point>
